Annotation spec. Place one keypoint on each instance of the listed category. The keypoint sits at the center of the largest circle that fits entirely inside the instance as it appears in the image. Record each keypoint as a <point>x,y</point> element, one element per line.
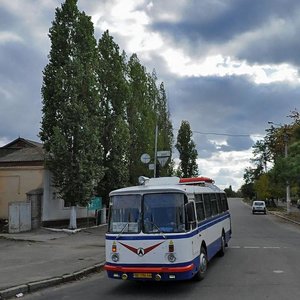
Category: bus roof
<point>169,185</point>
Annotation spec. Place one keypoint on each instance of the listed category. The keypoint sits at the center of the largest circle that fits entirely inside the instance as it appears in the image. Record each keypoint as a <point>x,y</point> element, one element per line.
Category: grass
<point>295,216</point>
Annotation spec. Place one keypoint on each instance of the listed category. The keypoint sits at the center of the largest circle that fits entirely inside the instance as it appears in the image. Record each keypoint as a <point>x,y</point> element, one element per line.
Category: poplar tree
<point>146,108</point>
<point>187,151</point>
<point>141,118</point>
<point>165,136</point>
<point>71,107</point>
<point>115,137</point>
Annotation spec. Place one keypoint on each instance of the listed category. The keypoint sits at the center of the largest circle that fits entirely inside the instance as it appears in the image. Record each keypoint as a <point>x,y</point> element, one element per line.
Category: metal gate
<point>19,217</point>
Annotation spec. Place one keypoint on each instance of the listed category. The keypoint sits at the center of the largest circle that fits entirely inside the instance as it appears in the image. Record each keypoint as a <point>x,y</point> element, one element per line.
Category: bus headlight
<point>115,257</point>
<point>171,257</point>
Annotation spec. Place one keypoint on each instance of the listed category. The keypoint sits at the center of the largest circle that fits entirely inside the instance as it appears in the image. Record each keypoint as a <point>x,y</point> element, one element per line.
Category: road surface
<point>261,262</point>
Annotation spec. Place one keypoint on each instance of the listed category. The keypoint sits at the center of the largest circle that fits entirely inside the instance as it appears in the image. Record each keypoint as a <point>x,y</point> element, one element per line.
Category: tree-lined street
<point>260,263</point>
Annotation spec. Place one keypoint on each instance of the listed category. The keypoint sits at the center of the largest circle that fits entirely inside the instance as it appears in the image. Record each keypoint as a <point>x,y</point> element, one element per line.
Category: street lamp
<point>285,139</point>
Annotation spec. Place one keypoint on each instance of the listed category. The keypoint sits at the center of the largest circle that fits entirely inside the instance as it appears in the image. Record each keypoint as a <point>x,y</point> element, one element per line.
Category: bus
<point>166,229</point>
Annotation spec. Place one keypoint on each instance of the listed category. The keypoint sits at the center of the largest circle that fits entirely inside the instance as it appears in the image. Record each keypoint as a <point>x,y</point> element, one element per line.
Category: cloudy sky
<point>229,67</point>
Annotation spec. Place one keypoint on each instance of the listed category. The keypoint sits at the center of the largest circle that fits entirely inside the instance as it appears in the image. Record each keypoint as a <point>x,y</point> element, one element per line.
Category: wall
<point>53,207</point>
<point>15,182</point>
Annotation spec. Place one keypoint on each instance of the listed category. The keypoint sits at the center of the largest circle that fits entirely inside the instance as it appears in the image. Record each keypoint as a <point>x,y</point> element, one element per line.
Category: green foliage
<point>278,142</point>
<point>70,109</point>
<point>115,137</point>
<point>252,174</point>
<point>99,111</point>
<point>262,187</point>
<point>229,192</point>
<point>165,138</point>
<point>247,190</point>
<point>293,163</point>
<point>146,107</point>
<point>141,118</point>
<point>187,151</point>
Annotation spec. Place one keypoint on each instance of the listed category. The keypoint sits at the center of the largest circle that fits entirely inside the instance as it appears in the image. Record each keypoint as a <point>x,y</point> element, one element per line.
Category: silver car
<point>259,206</point>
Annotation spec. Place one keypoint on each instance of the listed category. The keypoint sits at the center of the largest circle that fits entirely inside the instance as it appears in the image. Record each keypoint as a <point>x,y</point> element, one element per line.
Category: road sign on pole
<point>163,157</point>
<point>145,158</point>
<point>151,166</point>
<point>163,153</point>
<point>163,160</point>
<point>95,203</point>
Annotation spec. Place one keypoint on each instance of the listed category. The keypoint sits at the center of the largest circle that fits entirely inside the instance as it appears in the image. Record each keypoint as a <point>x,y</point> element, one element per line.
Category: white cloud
<point>181,64</point>
<point>225,168</point>
<point>5,93</point>
<point>131,24</point>
<point>6,36</point>
<point>234,163</point>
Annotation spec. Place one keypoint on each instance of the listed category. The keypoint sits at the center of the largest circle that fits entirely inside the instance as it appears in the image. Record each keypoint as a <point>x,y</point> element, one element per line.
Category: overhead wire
<point>223,134</point>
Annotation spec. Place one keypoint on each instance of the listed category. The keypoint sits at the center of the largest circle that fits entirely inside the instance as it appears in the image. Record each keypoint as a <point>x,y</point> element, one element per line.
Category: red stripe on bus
<point>196,179</point>
<point>149,269</point>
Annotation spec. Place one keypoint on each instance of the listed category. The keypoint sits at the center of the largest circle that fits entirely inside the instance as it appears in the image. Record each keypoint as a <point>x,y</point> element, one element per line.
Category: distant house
<point>23,173</point>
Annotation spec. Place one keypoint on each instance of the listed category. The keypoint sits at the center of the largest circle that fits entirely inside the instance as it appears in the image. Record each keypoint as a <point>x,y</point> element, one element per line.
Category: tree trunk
<point>73,224</point>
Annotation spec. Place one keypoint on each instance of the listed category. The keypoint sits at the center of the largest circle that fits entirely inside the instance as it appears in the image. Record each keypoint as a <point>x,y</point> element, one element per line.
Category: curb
<point>73,230</point>
<point>41,284</point>
<point>69,231</point>
<point>283,217</point>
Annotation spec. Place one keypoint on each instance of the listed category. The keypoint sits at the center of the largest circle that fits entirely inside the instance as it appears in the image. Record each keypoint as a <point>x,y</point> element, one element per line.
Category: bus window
<point>164,213</point>
<point>220,206</point>
<point>125,214</point>
<point>199,207</point>
<point>224,202</point>
<point>214,206</point>
<point>207,205</point>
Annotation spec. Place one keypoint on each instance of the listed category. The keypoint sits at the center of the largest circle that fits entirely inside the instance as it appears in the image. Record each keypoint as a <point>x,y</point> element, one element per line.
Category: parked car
<point>259,206</point>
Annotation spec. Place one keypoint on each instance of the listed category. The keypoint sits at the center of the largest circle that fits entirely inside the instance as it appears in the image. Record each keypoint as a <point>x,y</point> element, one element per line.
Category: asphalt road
<point>261,262</point>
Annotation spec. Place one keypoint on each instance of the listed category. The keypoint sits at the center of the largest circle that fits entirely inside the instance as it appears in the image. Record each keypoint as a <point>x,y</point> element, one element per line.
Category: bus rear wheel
<point>202,265</point>
<point>223,245</point>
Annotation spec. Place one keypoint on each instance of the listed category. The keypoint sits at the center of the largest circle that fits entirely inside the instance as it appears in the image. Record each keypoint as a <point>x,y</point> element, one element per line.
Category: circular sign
<point>145,158</point>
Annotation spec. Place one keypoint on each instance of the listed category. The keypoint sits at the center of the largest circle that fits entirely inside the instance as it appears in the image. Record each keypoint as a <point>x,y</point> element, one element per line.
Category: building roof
<point>21,143</point>
<point>22,152</point>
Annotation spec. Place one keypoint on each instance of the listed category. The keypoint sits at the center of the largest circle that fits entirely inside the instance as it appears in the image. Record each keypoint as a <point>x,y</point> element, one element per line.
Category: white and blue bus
<point>166,229</point>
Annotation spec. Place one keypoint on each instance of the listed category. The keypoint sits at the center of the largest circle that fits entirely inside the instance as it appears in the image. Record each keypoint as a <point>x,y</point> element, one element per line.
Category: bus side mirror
<point>190,212</point>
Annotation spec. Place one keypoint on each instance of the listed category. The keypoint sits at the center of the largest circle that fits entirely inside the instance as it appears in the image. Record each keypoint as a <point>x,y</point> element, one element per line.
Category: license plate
<point>142,275</point>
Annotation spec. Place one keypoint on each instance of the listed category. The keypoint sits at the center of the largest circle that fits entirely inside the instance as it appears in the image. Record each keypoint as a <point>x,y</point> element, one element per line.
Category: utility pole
<point>288,192</point>
<point>155,150</point>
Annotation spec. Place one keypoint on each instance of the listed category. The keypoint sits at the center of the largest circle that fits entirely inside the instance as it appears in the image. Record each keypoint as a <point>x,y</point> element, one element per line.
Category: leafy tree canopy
<point>188,154</point>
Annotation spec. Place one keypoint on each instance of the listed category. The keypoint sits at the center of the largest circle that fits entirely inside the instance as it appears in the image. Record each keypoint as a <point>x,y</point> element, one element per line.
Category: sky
<point>229,67</point>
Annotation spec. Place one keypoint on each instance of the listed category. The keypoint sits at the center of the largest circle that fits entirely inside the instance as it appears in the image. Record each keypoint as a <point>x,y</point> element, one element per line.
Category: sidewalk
<point>41,258</point>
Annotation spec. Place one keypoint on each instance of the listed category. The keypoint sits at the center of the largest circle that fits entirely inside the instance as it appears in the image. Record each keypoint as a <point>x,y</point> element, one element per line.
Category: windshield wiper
<point>159,230</point>
<point>123,229</point>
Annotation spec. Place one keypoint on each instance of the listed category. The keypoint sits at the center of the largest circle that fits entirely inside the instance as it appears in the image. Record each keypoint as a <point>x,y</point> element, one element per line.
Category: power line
<point>223,134</point>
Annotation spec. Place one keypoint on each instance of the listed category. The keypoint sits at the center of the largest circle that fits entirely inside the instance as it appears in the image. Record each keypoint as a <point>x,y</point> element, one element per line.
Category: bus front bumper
<point>150,273</point>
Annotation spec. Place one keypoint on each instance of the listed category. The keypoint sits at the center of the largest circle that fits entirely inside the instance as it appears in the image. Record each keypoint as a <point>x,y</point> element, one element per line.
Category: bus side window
<point>224,202</point>
<point>199,207</point>
<point>207,205</point>
<point>214,206</point>
<point>220,206</point>
<point>191,215</point>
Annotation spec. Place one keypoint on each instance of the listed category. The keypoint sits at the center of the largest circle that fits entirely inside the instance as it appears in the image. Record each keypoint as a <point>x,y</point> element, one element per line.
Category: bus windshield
<point>164,212</point>
<point>154,213</point>
<point>125,214</point>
